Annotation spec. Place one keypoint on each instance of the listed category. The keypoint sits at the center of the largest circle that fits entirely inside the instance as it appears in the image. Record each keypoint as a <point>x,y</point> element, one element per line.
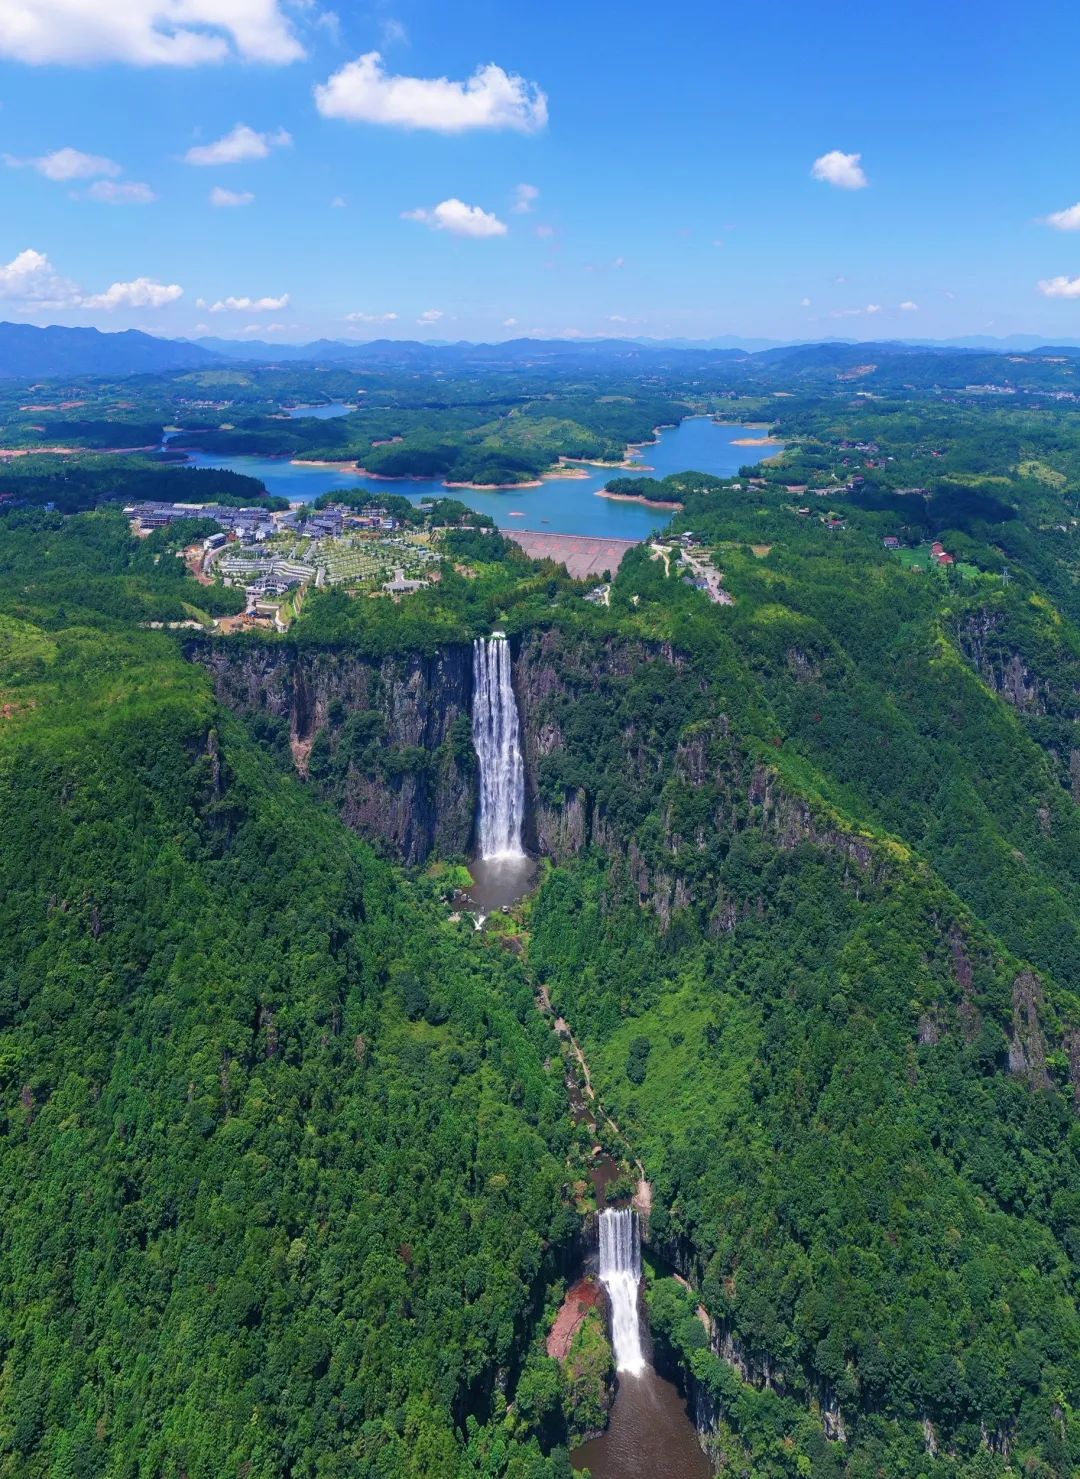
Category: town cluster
<point>276,556</point>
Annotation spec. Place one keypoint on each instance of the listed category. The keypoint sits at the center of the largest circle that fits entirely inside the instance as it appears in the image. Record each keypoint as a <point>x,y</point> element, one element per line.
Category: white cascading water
<point>497,738</point>
<point>620,1274</point>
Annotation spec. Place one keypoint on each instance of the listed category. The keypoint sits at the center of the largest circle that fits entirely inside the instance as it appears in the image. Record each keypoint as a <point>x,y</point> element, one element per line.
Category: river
<point>558,506</point>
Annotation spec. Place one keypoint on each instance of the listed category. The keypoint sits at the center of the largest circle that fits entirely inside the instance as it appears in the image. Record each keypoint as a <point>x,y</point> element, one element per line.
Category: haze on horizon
<point>411,170</point>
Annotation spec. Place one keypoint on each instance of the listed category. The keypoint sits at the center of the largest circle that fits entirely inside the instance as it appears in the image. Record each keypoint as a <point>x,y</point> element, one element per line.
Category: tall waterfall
<point>496,735</point>
<point>620,1274</point>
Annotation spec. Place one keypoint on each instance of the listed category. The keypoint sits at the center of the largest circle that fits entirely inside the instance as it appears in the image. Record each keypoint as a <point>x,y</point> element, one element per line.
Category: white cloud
<point>393,33</point>
<point>31,278</point>
<point>431,316</point>
<point>338,203</point>
<point>250,305</point>
<point>525,197</point>
<point>908,306</point>
<point>363,92</point>
<point>617,318</point>
<point>239,144</point>
<point>842,170</point>
<point>1060,287</point>
<point>1066,220</point>
<point>805,303</point>
<point>870,308</point>
<point>223,198</point>
<point>509,323</point>
<point>66,164</point>
<point>142,292</point>
<point>370,318</point>
<point>120,192</point>
<point>144,33</point>
<point>455,216</point>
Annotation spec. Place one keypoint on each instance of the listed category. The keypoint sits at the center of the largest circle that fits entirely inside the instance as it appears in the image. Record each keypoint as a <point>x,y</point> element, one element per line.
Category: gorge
<point>653,784</point>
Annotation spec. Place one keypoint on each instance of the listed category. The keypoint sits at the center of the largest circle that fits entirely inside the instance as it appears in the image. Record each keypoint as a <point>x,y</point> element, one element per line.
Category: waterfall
<point>496,736</point>
<point>620,1274</point>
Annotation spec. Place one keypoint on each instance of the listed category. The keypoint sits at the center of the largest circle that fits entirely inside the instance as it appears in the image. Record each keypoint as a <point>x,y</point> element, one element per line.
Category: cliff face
<point>386,740</point>
<point>651,730</point>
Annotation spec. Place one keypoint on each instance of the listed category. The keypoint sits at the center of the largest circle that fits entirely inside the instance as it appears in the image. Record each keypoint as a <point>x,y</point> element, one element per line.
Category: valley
<point>794,872</point>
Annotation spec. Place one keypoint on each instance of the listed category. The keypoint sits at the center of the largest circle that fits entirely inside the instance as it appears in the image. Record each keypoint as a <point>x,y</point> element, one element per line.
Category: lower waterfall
<point>497,739</point>
<point>620,1274</point>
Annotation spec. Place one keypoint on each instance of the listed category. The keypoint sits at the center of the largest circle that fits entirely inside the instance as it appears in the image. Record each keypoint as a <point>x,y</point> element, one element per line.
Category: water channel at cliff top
<point>559,505</point>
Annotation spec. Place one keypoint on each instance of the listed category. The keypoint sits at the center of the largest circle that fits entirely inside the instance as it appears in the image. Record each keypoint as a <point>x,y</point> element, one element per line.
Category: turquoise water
<point>559,506</point>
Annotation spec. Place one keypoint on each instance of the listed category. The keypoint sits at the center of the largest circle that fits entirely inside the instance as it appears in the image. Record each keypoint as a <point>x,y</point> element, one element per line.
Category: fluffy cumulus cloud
<point>238,145</point>
<point>1060,287</point>
<point>364,92</point>
<point>842,170</point>
<point>30,278</point>
<point>907,306</point>
<point>870,308</point>
<point>1066,220</point>
<point>142,292</point>
<point>370,318</point>
<point>247,305</point>
<point>146,33</point>
<point>67,164</point>
<point>31,281</point>
<point>224,199</point>
<point>525,197</point>
<point>431,316</point>
<point>509,323</point>
<point>455,216</point>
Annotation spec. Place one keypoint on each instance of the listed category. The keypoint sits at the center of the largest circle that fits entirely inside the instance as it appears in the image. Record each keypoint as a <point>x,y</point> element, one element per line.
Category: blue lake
<point>325,412</point>
<point>559,506</point>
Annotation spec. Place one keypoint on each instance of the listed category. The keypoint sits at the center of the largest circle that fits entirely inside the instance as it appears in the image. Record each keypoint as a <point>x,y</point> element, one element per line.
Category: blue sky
<point>670,154</point>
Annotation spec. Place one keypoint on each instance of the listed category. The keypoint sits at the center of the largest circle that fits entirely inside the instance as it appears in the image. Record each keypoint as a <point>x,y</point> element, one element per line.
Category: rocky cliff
<point>387,740</point>
<point>611,728</point>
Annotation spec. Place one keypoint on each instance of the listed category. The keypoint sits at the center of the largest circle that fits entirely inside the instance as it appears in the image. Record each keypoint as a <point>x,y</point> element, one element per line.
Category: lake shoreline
<point>559,502</point>
<point>637,498</point>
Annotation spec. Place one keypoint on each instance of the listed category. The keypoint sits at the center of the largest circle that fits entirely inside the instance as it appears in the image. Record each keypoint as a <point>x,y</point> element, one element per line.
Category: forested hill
<point>806,783</point>
<point>281,1163</point>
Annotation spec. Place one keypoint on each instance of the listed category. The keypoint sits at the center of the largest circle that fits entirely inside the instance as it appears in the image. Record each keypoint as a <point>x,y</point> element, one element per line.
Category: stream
<point>650,1434</point>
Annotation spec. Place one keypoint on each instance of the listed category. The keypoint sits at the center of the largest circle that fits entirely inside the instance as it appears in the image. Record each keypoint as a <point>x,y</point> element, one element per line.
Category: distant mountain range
<point>28,352</point>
